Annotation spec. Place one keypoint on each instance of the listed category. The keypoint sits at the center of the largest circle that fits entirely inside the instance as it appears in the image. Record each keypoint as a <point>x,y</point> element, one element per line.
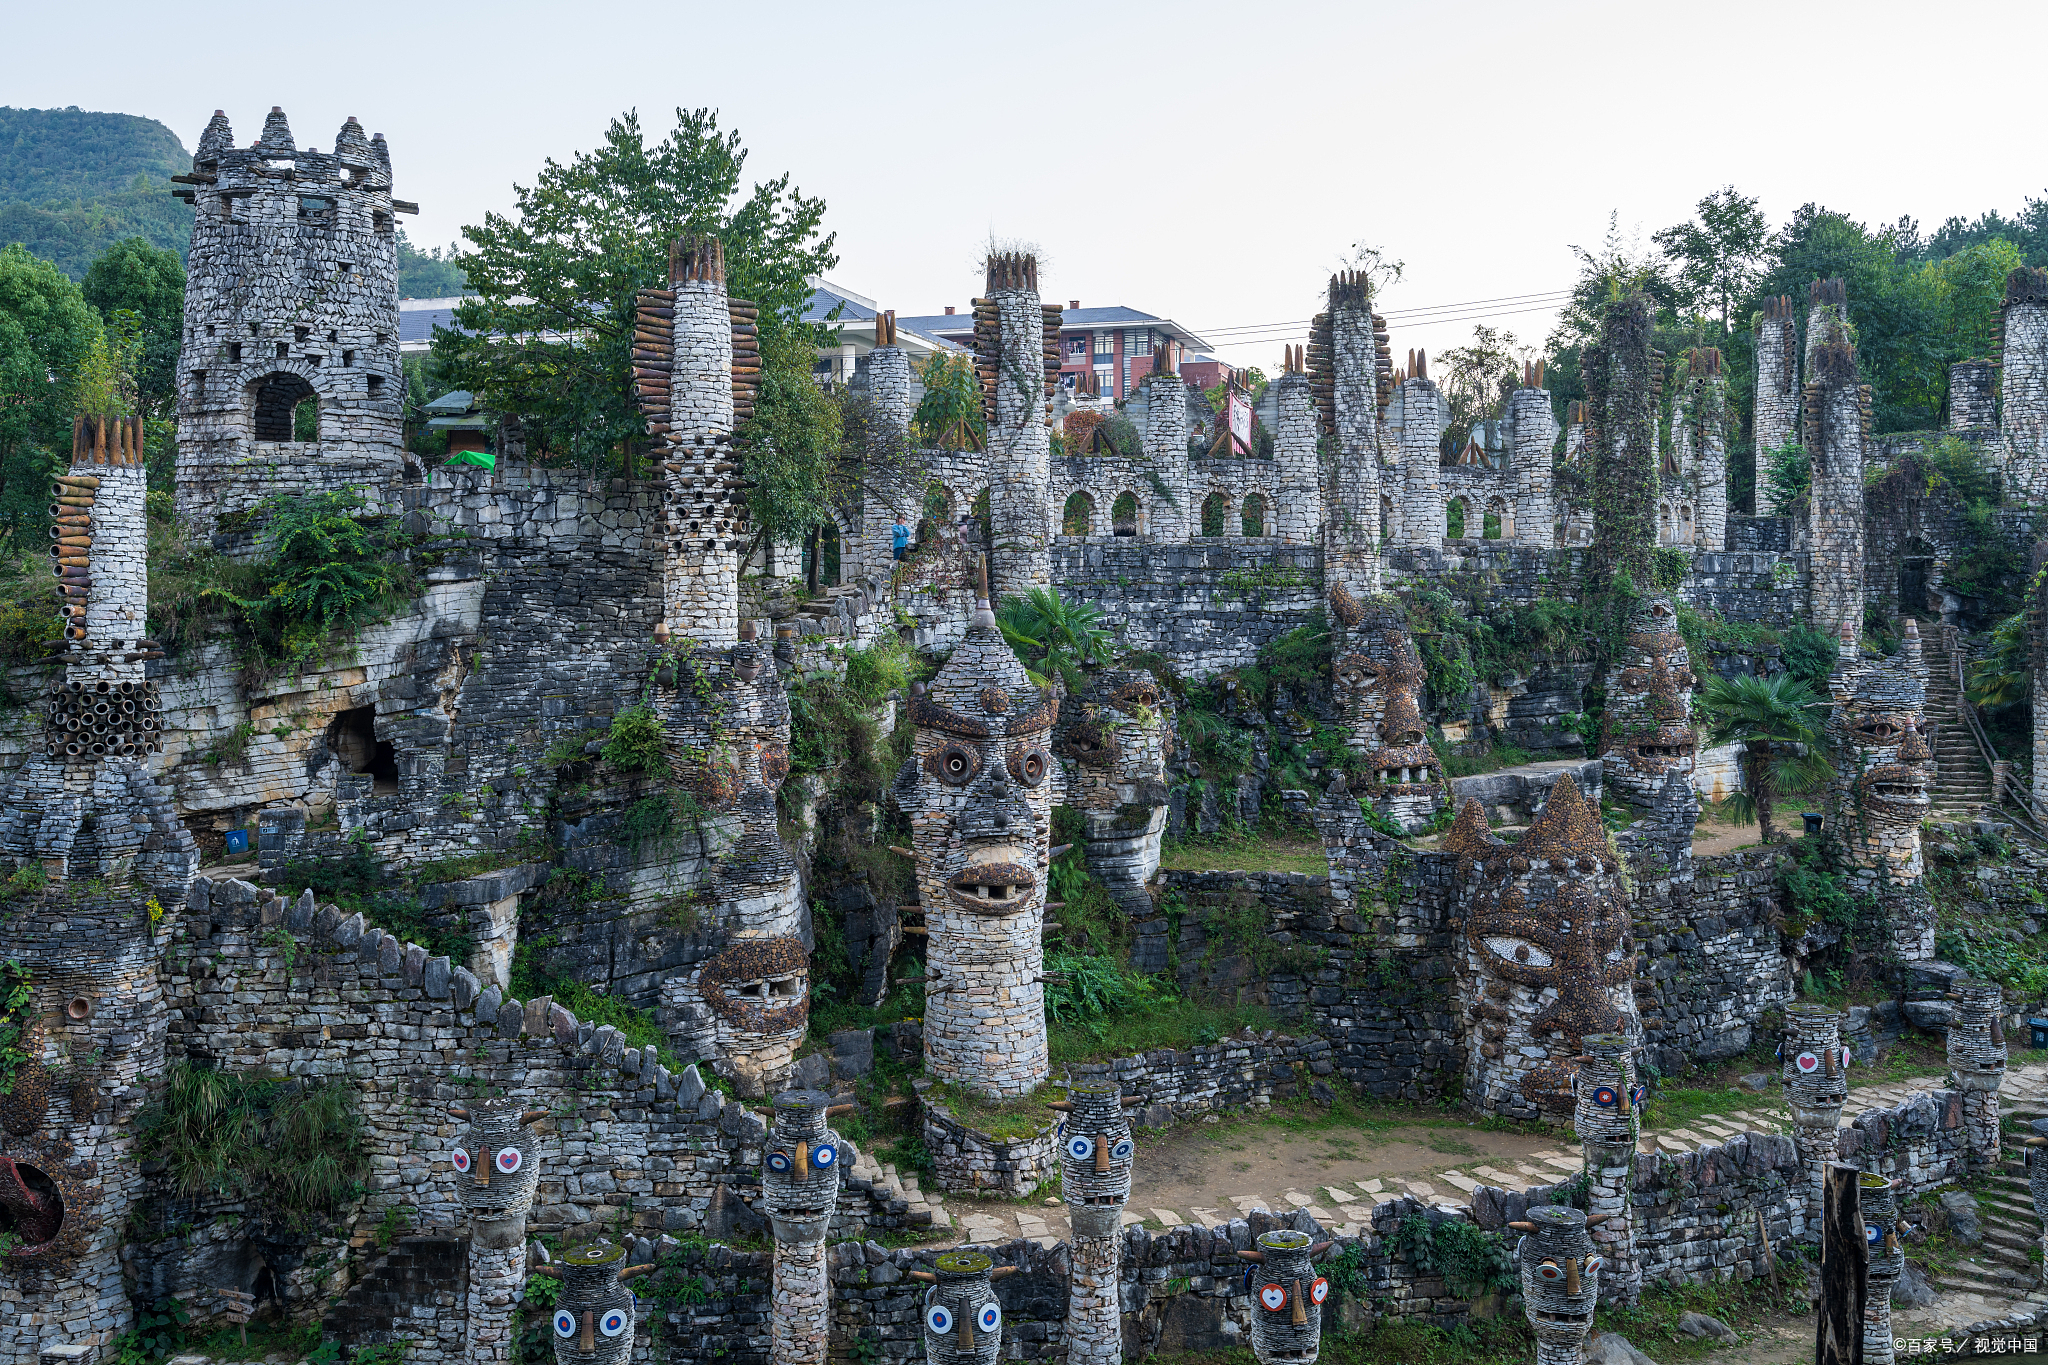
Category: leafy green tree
<point>1477,379</point>
<point>548,337</point>
<point>1720,253</point>
<point>949,416</point>
<point>46,332</point>
<point>429,274</point>
<point>1777,722</point>
<point>1053,637</point>
<point>148,281</point>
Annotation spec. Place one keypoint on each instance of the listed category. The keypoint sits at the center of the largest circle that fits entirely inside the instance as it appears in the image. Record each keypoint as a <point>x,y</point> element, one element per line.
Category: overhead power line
<point>1418,312</point>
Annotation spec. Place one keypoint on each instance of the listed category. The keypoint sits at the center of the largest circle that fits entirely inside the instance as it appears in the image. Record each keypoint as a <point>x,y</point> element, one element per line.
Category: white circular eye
<point>991,1317</point>
<point>1123,1149</point>
<point>939,1318</point>
<point>1079,1147</point>
<point>615,1322</point>
<point>779,1162</point>
<point>824,1155</point>
<point>1319,1291</point>
<point>1549,1270</point>
<point>509,1160</point>
<point>1592,1265</point>
<point>459,1159</point>
<point>1806,1062</point>
<point>1273,1298</point>
<point>565,1323</point>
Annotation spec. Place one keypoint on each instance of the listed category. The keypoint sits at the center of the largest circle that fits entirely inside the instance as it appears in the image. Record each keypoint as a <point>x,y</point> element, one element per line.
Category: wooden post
<point>1844,1256</point>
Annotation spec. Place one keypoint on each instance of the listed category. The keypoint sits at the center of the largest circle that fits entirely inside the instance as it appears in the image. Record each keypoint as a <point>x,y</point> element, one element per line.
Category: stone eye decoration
<point>1518,950</point>
<point>1029,764</point>
<point>565,1323</point>
<point>991,1317</point>
<point>1079,1147</point>
<point>1634,679</point>
<point>1878,731</point>
<point>824,1155</point>
<point>459,1159</point>
<point>1872,1233</point>
<point>1807,1062</point>
<point>615,1322</point>
<point>1319,1291</point>
<point>1550,1270</point>
<point>956,764</point>
<point>939,1319</point>
<point>1272,1297</point>
<point>509,1160</point>
<point>779,1162</point>
<point>1605,1097</point>
<point>1122,1150</point>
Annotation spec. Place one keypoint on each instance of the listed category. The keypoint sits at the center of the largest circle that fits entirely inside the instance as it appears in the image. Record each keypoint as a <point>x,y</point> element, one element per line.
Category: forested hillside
<point>72,183</point>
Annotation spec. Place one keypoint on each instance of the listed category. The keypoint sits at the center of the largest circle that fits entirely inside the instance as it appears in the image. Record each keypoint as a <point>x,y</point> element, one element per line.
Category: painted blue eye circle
<point>615,1322</point>
<point>991,1317</point>
<point>1605,1097</point>
<point>565,1323</point>
<point>1872,1233</point>
<point>779,1162</point>
<point>1079,1147</point>
<point>824,1156</point>
<point>939,1319</point>
<point>1123,1149</point>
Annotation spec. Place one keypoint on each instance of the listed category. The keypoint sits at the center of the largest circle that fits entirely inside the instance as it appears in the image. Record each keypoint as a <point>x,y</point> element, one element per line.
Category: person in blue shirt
<point>901,533</point>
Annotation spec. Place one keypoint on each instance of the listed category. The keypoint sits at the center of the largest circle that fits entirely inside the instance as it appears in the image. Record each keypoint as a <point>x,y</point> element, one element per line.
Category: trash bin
<point>2039,1029</point>
<point>238,841</point>
<point>1813,819</point>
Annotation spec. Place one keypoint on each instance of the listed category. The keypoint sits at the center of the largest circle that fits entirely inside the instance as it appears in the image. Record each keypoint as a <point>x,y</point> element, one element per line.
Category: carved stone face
<point>1608,1100</point>
<point>496,1162</point>
<point>756,999</point>
<point>1883,768</point>
<point>593,1317</point>
<point>1119,738</point>
<point>1648,727</point>
<point>1816,1066</point>
<point>1379,685</point>
<point>1560,1273</point>
<point>1976,1036</point>
<point>800,1172</point>
<point>1879,1204</point>
<point>1287,1300</point>
<point>1096,1156</point>
<point>1548,954</point>
<point>963,1322</point>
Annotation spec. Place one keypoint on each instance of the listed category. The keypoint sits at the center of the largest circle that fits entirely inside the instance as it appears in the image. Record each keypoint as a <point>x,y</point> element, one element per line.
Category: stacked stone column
<point>800,1192</point>
<point>2037,1182</point>
<point>1287,1298</point>
<point>1816,1087</point>
<point>1424,414</point>
<point>1096,1155</point>
<point>1699,439</point>
<point>701,579</point>
<point>1533,434</point>
<point>1606,1117</point>
<point>1019,441</point>
<point>1347,358</point>
<point>1166,446</point>
<point>1976,1064</point>
<point>1776,417</point>
<point>1836,419</point>
<point>2025,383</point>
<point>1624,379</point>
<point>497,1168</point>
<point>1560,1273</point>
<point>889,486</point>
<point>1299,518</point>
<point>1880,1208</point>
<point>1972,396</point>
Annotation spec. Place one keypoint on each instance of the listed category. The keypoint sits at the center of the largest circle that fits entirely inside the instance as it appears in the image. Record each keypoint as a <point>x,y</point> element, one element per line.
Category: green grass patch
<point>1245,853</point>
<point>1173,1023</point>
<point>1005,1120</point>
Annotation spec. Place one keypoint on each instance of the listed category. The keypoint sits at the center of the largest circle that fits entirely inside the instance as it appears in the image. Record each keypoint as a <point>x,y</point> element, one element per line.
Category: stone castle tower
<point>1835,427</point>
<point>291,297</point>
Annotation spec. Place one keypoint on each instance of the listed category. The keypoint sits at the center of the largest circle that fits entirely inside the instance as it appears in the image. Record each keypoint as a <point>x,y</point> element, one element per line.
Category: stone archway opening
<point>283,407</point>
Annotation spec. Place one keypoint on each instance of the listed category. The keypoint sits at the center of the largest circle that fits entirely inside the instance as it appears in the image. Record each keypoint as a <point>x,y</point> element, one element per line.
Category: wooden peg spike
<point>1255,1257</point>
<point>533,1116</point>
<point>1523,1227</point>
<point>458,1111</point>
<point>924,1275</point>
<point>1060,1106</point>
<point>1000,1271</point>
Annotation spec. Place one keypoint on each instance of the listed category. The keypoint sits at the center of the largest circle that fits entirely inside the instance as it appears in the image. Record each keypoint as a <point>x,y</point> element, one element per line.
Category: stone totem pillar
<point>2037,1182</point>
<point>1560,1274</point>
<point>1424,414</point>
<point>1606,1117</point>
<point>979,793</point>
<point>1837,420</point>
<point>1776,419</point>
<point>1699,441</point>
<point>1647,731</point>
<point>1976,1064</point>
<point>1532,427</point>
<point>1816,1087</point>
<point>963,1322</point>
<point>1287,1298</point>
<point>1624,380</point>
<point>1378,684</point>
<point>1012,360</point>
<point>891,485</point>
<point>1166,446</point>
<point>1880,1208</point>
<point>497,1168</point>
<point>1118,739</point>
<point>1299,517</point>
<point>594,1313</point>
<point>2024,382</point>
<point>1879,793</point>
<point>1096,1155</point>
<point>1546,955</point>
<point>799,1193</point>
<point>1348,379</point>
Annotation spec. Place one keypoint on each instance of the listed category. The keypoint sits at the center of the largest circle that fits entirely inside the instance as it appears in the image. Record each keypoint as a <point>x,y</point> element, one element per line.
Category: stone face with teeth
<point>1883,771</point>
<point>979,789</point>
<point>1647,731</point>
<point>1378,684</point>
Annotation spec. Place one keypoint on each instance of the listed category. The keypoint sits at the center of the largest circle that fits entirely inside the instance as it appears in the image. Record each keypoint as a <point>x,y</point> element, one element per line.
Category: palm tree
<point>1777,723</point>
<point>1054,637</point>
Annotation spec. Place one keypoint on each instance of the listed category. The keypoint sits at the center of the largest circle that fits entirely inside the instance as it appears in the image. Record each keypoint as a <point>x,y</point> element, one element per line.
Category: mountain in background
<point>72,183</point>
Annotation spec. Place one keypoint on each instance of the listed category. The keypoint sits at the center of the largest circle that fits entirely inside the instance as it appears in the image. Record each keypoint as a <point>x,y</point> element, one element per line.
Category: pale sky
<point>1208,163</point>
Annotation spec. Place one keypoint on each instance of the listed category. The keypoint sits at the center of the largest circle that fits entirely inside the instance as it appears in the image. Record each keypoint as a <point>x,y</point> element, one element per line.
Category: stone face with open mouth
<point>993,887</point>
<point>1378,684</point>
<point>1647,730</point>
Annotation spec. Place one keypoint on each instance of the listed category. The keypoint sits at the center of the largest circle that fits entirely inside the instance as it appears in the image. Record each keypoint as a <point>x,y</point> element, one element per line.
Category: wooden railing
<point>2034,818</point>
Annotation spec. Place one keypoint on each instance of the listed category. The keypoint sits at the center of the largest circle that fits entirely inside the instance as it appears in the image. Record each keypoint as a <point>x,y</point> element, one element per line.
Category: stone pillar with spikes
<point>891,484</point>
<point>497,1168</point>
<point>594,1317</point>
<point>800,1193</point>
<point>1287,1298</point>
<point>1560,1273</point>
<point>1606,1117</point>
<point>1096,1155</point>
<point>1349,378</point>
<point>1166,447</point>
<point>1976,1064</point>
<point>1699,446</point>
<point>1880,1206</point>
<point>1816,1087</point>
<point>2024,383</point>
<point>1299,517</point>
<point>1532,427</point>
<point>1011,358</point>
<point>963,1322</point>
<point>1776,419</point>
<point>1424,414</point>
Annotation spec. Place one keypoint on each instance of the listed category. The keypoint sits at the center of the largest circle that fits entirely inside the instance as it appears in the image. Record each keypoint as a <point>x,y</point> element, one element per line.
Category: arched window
<point>282,407</point>
<point>1123,514</point>
<point>1454,519</point>
<point>1215,514</point>
<point>1254,518</point>
<point>1079,517</point>
<point>1499,523</point>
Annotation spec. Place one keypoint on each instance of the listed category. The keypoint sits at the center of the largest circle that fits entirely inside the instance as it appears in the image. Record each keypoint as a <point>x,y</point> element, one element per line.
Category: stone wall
<point>1207,607</point>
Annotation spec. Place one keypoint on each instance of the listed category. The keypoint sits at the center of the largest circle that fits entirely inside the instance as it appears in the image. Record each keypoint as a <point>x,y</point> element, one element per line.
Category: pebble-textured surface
<point>2023,384</point>
<point>1835,427</point>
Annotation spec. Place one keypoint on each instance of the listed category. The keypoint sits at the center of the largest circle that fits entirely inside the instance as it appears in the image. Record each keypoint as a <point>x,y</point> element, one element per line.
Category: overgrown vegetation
<point>358,883</point>
<point>1054,638</point>
<point>299,1144</point>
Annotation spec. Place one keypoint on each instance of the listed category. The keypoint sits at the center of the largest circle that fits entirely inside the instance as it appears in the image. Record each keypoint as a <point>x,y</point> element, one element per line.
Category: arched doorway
<point>1916,577</point>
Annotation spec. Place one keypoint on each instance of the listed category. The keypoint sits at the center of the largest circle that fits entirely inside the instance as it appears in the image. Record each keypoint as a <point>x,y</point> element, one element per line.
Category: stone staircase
<point>1963,785</point>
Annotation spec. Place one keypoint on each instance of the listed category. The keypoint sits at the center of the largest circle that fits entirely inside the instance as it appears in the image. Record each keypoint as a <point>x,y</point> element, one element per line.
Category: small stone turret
<point>1835,427</point>
<point>1776,418</point>
<point>1349,379</point>
<point>1976,1064</point>
<point>1287,1298</point>
<point>1096,1156</point>
<point>1560,1273</point>
<point>1299,518</point>
<point>1608,1118</point>
<point>1699,451</point>
<point>1176,517</point>
<point>1879,1204</point>
<point>963,1321</point>
<point>2024,384</point>
<point>593,1320</point>
<point>1532,436</point>
<point>800,1181</point>
<point>1816,1076</point>
<point>1419,505</point>
<point>1013,361</point>
<point>497,1169</point>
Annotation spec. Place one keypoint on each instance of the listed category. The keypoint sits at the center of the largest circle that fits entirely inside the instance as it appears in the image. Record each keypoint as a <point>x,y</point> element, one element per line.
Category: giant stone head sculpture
<point>800,1173</point>
<point>1287,1298</point>
<point>1378,685</point>
<point>497,1168</point>
<point>1648,728</point>
<point>1560,1274</point>
<point>963,1322</point>
<point>594,1312</point>
<point>1883,767</point>
<point>1096,1156</point>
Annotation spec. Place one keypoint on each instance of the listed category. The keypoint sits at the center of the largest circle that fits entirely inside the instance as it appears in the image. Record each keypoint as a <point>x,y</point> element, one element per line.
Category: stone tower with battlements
<point>1777,375</point>
<point>1350,378</point>
<point>1699,452</point>
<point>1835,425</point>
<point>291,299</point>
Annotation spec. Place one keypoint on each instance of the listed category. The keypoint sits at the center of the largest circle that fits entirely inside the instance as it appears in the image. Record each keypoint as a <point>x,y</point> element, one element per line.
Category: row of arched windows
<point>1253,516</point>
